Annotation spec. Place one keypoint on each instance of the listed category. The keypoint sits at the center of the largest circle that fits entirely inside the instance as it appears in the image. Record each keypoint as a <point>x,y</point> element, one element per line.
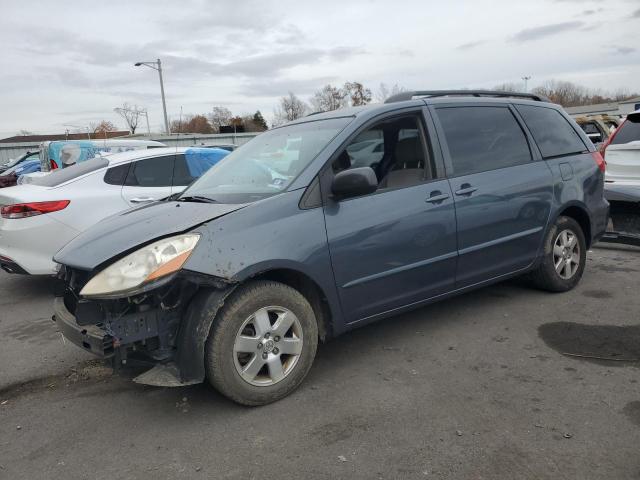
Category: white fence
<point>14,150</point>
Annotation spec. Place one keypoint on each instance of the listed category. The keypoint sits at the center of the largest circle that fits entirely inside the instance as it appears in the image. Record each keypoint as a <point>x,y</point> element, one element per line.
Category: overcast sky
<point>73,65</point>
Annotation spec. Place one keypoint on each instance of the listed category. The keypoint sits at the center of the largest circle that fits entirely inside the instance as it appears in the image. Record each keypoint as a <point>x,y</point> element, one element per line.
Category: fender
<point>194,331</point>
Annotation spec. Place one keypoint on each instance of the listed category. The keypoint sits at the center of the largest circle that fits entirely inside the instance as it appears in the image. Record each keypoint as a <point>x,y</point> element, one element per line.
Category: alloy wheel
<point>268,346</point>
<point>566,254</point>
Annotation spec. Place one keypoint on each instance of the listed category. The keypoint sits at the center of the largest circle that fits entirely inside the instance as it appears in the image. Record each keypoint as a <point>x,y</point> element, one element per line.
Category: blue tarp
<point>199,160</point>
<point>29,166</point>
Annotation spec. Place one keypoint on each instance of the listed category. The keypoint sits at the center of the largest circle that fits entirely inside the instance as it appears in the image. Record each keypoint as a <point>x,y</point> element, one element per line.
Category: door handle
<point>142,199</point>
<point>437,197</point>
<point>466,189</point>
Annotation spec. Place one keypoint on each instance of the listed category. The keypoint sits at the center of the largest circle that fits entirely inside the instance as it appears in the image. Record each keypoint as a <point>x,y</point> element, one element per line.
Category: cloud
<point>636,14</point>
<point>259,88</point>
<point>470,45</point>
<point>621,50</point>
<point>536,33</point>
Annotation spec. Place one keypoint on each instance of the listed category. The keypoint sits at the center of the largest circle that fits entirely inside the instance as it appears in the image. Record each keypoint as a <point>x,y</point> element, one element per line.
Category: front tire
<point>262,343</point>
<point>564,257</point>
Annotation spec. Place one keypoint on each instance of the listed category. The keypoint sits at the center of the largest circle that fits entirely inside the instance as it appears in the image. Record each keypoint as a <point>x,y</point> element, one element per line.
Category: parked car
<point>237,279</point>
<point>598,127</point>
<point>11,176</point>
<point>622,153</point>
<point>39,218</point>
<point>64,153</point>
<point>17,161</point>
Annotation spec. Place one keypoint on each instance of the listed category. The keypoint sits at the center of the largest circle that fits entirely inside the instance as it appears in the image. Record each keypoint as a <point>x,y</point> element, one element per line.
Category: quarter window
<point>483,138</point>
<point>151,172</point>
<point>116,175</point>
<point>553,134</point>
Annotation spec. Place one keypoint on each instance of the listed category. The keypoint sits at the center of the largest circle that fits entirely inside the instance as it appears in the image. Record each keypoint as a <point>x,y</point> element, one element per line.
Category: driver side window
<point>394,149</point>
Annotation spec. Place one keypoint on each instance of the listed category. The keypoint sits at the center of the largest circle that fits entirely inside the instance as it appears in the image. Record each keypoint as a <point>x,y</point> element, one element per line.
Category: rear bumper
<point>10,266</point>
<point>90,337</point>
<point>32,242</point>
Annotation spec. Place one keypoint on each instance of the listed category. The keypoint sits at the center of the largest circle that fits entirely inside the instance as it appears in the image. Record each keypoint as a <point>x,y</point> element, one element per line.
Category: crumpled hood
<point>132,228</point>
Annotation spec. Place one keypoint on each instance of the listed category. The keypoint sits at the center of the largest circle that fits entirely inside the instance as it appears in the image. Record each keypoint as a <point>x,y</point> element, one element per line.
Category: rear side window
<point>629,131</point>
<point>483,138</point>
<point>552,132</point>
<point>60,176</point>
<point>151,172</point>
<point>117,175</point>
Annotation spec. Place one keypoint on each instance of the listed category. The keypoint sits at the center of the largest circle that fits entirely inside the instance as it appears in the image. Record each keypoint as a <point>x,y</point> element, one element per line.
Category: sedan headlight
<point>150,263</point>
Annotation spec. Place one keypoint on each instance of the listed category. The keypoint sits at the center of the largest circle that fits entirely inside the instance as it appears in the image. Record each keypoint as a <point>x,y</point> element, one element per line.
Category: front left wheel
<point>262,343</point>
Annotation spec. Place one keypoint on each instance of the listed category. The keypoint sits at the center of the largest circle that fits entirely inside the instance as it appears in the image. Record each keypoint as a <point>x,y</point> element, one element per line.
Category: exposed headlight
<point>142,266</point>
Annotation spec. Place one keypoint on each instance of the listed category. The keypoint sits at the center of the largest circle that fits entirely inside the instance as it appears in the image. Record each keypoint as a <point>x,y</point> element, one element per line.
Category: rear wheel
<point>262,343</point>
<point>564,257</point>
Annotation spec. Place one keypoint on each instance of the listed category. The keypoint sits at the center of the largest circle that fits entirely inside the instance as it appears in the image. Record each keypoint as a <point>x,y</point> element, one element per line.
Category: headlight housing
<point>141,267</point>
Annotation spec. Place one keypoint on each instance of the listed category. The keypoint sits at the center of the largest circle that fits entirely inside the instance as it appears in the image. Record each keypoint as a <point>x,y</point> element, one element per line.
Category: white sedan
<point>39,218</point>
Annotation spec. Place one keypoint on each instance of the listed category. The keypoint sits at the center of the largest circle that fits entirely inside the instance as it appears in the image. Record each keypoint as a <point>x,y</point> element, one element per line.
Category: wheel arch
<point>309,289</point>
<point>580,214</point>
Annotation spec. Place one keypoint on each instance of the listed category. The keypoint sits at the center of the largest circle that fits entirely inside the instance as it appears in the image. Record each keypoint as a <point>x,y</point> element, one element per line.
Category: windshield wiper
<point>196,198</point>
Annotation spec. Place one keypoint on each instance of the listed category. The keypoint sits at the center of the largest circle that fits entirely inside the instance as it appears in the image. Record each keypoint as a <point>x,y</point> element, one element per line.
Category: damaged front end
<point>164,327</point>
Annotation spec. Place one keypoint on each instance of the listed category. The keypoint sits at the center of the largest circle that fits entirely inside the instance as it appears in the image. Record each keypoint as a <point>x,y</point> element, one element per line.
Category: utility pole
<point>526,79</point>
<point>157,65</point>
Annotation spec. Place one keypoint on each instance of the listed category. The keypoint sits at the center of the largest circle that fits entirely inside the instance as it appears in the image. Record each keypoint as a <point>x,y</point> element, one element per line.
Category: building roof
<point>631,100</point>
<point>595,108</point>
<point>63,136</point>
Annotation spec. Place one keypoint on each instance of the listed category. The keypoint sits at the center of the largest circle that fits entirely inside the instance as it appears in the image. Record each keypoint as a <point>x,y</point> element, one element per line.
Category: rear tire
<point>564,257</point>
<point>262,343</point>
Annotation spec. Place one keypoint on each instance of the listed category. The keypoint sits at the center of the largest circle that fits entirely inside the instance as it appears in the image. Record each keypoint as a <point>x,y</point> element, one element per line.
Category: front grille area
<point>73,282</point>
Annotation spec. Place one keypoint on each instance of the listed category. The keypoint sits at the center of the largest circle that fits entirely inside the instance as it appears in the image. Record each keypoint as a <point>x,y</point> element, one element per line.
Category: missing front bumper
<point>90,337</point>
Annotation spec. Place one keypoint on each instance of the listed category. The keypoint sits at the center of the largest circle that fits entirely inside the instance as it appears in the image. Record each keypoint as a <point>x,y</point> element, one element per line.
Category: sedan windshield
<point>267,164</point>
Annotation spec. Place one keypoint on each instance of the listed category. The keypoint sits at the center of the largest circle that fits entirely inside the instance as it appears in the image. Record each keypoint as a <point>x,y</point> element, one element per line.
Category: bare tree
<point>358,94</point>
<point>385,91</point>
<point>130,114</point>
<point>102,126</point>
<point>329,98</point>
<point>289,109</point>
<point>220,116</point>
<point>24,133</point>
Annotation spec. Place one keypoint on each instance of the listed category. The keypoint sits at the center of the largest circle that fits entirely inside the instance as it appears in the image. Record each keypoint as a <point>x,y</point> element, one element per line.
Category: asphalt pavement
<point>503,383</point>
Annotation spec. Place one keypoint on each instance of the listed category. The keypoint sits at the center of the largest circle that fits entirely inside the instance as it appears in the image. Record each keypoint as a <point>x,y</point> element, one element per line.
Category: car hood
<point>131,229</point>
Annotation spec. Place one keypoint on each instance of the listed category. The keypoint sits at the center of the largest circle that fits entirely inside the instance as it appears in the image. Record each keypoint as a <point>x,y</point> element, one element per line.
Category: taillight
<point>23,210</point>
<point>604,146</point>
<point>54,165</point>
<point>599,161</point>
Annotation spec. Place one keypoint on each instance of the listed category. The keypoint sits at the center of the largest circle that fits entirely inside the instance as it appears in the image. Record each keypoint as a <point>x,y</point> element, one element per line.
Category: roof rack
<point>400,97</point>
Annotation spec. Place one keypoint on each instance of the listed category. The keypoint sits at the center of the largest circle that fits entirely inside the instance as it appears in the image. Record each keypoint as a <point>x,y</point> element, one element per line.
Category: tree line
<point>569,94</point>
<point>351,94</point>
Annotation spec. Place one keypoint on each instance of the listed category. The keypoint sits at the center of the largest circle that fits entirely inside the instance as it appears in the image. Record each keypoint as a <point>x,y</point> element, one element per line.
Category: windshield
<point>266,165</point>
<point>21,159</point>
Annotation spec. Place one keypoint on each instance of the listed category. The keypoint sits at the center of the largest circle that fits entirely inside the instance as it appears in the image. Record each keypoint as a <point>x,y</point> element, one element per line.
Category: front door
<point>397,246</point>
<point>148,180</point>
<point>502,196</point>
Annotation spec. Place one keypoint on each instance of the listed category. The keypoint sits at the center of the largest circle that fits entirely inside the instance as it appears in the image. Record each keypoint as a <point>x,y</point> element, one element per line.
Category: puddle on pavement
<point>610,345</point>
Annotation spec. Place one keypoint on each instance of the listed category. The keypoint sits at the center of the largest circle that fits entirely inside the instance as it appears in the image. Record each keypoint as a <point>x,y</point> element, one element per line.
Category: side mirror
<point>354,182</point>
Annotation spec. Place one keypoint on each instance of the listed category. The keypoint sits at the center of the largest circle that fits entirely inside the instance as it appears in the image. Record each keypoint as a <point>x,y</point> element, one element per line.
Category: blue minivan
<point>237,279</point>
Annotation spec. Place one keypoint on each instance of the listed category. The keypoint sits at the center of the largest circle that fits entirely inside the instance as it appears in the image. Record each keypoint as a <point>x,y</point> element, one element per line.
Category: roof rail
<point>400,97</point>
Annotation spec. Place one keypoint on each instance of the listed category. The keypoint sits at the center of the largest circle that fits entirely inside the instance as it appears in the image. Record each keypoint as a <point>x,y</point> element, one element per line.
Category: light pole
<point>526,79</point>
<point>158,66</point>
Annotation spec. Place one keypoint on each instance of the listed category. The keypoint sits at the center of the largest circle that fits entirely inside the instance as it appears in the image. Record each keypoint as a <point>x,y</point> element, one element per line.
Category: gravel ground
<point>505,382</point>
